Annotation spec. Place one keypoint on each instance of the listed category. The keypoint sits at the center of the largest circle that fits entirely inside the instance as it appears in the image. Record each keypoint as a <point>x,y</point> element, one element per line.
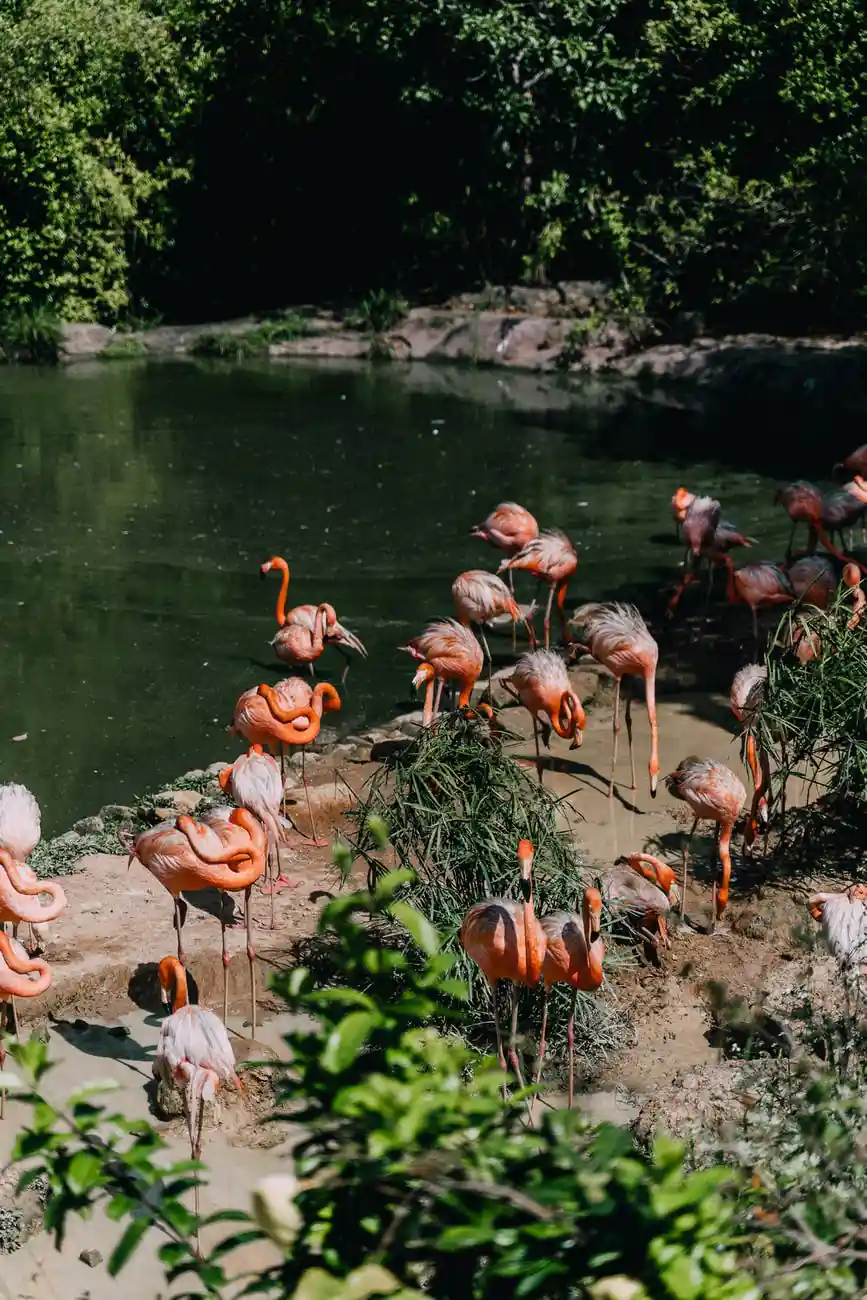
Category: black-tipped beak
<point>595,935</point>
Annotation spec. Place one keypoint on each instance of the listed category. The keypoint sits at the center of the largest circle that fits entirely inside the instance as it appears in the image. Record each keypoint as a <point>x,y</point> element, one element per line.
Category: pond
<point>138,501</point>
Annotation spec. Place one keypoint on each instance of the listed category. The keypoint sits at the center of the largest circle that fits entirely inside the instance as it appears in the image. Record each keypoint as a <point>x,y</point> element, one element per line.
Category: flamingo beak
<point>347,638</point>
<point>653,784</point>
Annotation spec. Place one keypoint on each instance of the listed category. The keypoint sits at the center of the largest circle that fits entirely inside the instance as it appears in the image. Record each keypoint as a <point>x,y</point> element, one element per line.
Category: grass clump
<point>225,345</point>
<point>29,336</point>
<point>123,349</point>
<point>379,311</point>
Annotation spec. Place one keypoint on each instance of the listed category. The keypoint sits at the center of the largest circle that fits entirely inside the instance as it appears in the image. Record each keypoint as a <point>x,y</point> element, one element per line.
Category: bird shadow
<point>143,990</point>
<point>109,1043</point>
<point>215,902</point>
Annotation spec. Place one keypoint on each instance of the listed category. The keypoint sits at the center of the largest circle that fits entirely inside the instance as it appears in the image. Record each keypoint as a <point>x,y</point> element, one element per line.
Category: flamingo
<point>283,709</point>
<point>844,509</point>
<point>193,1054</point>
<point>454,654</point>
<point>746,697</point>
<point>254,782</point>
<point>818,580</point>
<point>713,792</point>
<point>643,886</point>
<point>843,917</point>
<point>680,503</point>
<point>304,631</point>
<point>758,585</point>
<point>617,637</point>
<point>573,955</point>
<point>804,503</point>
<point>709,537</point>
<point>855,462</point>
<point>814,579</point>
<point>480,596</point>
<point>541,683</point>
<point>289,713</point>
<point>506,941</point>
<point>553,559</point>
<point>20,889</point>
<point>15,982</point>
<point>20,829</point>
<point>510,527</point>
<point>228,855</point>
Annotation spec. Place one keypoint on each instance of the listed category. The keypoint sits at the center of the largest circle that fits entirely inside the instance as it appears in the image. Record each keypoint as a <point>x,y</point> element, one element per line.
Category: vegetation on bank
<point>201,160</point>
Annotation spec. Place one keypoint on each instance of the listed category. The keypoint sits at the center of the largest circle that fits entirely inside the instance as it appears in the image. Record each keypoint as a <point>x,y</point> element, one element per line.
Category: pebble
<point>92,1258</point>
<point>115,811</point>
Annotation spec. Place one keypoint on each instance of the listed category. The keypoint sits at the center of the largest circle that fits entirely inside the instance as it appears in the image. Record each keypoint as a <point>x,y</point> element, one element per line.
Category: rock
<point>89,826</point>
<point>181,801</point>
<point>538,301</point>
<point>583,296</point>
<point>195,774</point>
<point>68,839</point>
<point>117,812</point>
<point>83,341</point>
<point>92,1258</point>
<point>408,724</point>
<point>753,925</point>
<point>214,769</point>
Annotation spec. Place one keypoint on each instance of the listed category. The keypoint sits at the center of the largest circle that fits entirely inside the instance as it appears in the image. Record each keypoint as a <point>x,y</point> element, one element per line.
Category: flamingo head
<point>337,634</point>
<point>851,575</point>
<point>275,562</point>
<point>680,503</point>
<point>172,978</point>
<point>591,911</point>
<point>224,777</point>
<point>572,718</point>
<point>426,673</point>
<point>526,854</point>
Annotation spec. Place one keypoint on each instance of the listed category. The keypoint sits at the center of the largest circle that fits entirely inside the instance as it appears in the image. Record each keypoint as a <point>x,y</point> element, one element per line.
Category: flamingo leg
<point>226,959</point>
<point>548,617</point>
<point>501,1056</point>
<point>196,1154</point>
<point>685,869</point>
<point>570,1041</point>
<point>438,696</point>
<point>490,661</point>
<point>2,1057</point>
<point>628,694</point>
<point>313,837</point>
<point>513,1038</point>
<point>616,729</point>
<point>180,917</point>
<point>512,589</point>
<point>536,742</point>
<point>542,1045</point>
<point>251,957</point>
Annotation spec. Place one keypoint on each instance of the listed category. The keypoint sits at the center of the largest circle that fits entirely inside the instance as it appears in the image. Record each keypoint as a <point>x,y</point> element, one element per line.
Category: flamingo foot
<point>280,883</point>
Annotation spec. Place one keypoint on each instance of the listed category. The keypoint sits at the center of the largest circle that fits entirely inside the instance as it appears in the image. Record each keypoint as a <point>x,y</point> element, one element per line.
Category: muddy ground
<point>102,1013</point>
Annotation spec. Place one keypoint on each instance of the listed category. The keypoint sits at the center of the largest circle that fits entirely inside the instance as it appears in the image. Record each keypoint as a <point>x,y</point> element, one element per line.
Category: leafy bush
<point>29,336</point>
<point>405,1163</point>
<point>379,312</point>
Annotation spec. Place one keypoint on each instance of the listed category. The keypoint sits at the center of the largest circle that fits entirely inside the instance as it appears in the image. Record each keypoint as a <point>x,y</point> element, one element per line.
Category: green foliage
<point>124,349</point>
<point>379,312</point>
<point>412,1173</point>
<point>253,342</point>
<point>30,336</point>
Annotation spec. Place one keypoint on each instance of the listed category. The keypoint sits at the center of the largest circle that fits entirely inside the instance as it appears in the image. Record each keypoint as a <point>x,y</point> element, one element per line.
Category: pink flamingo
<point>804,503</point>
<point>574,951</point>
<point>758,585</point>
<point>16,969</point>
<point>479,597</point>
<point>843,917</point>
<point>714,793</point>
<point>193,1054</point>
<point>541,683</point>
<point>188,855</point>
<point>20,889</point>
<point>618,638</point>
<point>553,559</point>
<point>454,654</point>
<point>20,829</point>
<point>645,887</point>
<point>305,630</point>
<point>509,528</point>
<point>746,697</point>
<point>855,462</point>
<point>506,941</point>
<point>709,537</point>
<point>680,503</point>
<point>289,713</point>
<point>254,782</point>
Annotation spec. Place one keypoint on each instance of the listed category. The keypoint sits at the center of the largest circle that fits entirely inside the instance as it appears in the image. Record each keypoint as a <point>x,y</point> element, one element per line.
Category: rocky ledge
<point>570,328</point>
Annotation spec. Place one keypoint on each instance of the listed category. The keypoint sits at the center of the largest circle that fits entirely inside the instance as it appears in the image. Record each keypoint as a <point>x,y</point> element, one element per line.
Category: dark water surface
<point>138,502</point>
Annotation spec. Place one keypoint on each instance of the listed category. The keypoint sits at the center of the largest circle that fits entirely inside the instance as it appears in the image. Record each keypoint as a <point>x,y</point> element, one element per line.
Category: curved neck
<point>725,844</point>
<point>325,698</point>
<point>19,896</point>
<point>467,684</point>
<point>15,979</point>
<point>291,735</point>
<point>227,867</point>
<point>650,700</point>
<point>427,715</point>
<point>179,979</point>
<point>829,546</point>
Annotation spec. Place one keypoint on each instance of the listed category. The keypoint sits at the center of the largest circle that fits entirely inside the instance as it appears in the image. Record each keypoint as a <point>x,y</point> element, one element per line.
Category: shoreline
<point>569,332</point>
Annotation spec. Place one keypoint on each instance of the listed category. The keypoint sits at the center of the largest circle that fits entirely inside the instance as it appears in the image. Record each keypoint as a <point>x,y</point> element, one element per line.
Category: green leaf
<point>346,1040</point>
<point>84,1170</point>
<point>128,1243</point>
<point>418,926</point>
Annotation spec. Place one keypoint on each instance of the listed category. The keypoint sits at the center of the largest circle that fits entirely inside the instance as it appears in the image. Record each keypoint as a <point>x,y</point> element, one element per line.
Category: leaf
<point>84,1171</point>
<point>418,926</point>
<point>346,1040</point>
<point>316,1284</point>
<point>127,1245</point>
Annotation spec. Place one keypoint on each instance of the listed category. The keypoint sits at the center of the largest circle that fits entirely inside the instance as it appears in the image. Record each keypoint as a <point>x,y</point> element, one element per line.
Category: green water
<point>138,502</point>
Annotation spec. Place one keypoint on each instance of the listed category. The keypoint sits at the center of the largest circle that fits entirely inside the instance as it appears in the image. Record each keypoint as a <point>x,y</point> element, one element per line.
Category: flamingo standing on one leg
<point>453,652</point>
<point>553,559</point>
<point>305,630</point>
<point>573,955</point>
<point>617,637</point>
<point>746,698</point>
<point>714,793</point>
<point>193,1054</point>
<point>16,969</point>
<point>541,683</point>
<point>506,941</point>
<point>254,782</point>
<point>509,528</point>
<point>480,596</point>
<point>643,887</point>
<point>227,855</point>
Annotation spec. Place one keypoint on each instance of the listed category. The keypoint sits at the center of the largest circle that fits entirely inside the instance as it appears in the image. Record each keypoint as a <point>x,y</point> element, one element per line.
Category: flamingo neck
<point>466,692</point>
<point>650,700</point>
<point>533,948</point>
<point>595,953</point>
<point>181,997</point>
<point>725,844</point>
<point>283,592</point>
<point>427,715</point>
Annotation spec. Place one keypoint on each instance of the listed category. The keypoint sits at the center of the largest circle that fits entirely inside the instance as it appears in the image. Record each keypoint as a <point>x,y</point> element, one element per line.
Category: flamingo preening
<point>228,855</point>
<point>541,684</point>
<point>506,941</point>
<point>680,503</point>
<point>479,597</point>
<point>16,969</point>
<point>574,950</point>
<point>193,1054</point>
<point>553,559</point>
<point>644,887</point>
<point>714,793</point>
<point>843,917</point>
<point>20,829</point>
<point>804,503</point>
<point>254,781</point>
<point>746,697</point>
<point>617,637</point>
<point>303,632</point>
<point>509,527</point>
